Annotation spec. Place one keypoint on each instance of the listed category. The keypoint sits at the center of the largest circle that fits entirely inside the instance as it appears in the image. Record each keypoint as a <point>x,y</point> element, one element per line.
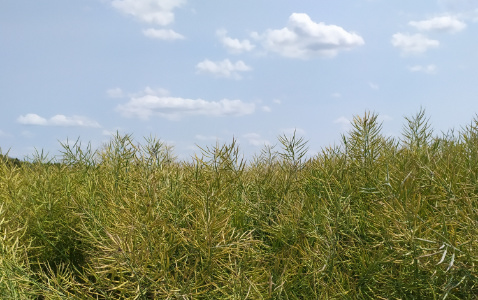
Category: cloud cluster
<point>224,68</point>
<point>304,38</point>
<point>419,43</point>
<point>155,12</point>
<point>57,120</point>
<point>174,108</point>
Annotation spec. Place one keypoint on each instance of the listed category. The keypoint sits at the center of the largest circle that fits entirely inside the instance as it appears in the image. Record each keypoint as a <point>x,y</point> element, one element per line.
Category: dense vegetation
<point>373,218</point>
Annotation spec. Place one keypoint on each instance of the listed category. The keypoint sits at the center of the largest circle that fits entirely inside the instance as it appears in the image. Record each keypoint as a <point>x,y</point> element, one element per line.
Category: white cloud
<point>32,119</point>
<point>175,108</point>
<point>224,68</point>
<point>413,44</point>
<point>344,122</point>
<point>429,69</point>
<point>445,24</point>
<point>115,93</point>
<point>266,108</point>
<point>61,120</point>
<point>57,120</point>
<point>303,38</point>
<point>158,12</point>
<point>162,34</point>
<point>255,139</point>
<point>234,45</point>
<point>464,9</point>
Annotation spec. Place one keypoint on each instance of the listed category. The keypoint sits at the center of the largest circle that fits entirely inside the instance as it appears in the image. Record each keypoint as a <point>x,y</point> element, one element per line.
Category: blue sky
<point>199,72</point>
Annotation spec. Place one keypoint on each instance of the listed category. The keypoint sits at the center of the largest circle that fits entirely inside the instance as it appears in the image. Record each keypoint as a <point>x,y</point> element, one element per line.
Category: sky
<point>199,73</point>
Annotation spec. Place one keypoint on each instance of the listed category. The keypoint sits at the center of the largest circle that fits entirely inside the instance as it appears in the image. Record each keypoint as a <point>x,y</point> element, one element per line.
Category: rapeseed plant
<point>372,218</point>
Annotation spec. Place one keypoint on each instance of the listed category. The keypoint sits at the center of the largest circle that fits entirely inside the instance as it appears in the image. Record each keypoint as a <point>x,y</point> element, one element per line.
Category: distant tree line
<point>11,161</point>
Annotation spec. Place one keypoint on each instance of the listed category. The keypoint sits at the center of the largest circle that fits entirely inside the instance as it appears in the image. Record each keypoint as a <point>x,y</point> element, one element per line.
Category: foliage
<point>373,218</point>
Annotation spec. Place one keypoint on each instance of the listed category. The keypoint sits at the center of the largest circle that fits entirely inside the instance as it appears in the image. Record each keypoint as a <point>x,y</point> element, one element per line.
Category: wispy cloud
<point>119,93</point>
<point>413,44</point>
<point>149,11</point>
<point>152,91</point>
<point>384,118</point>
<point>304,38</point>
<point>162,34</point>
<point>345,123</point>
<point>442,24</point>
<point>175,108</point>
<point>107,132</point>
<point>429,69</point>
<point>154,12</point>
<point>462,7</point>
<point>115,93</point>
<point>373,86</point>
<point>57,120</point>
<point>206,137</point>
<point>256,139</point>
<point>235,46</point>
<point>224,68</point>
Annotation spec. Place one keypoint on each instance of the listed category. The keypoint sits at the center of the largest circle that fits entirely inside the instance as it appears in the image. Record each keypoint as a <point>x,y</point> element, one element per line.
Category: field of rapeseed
<point>372,218</point>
